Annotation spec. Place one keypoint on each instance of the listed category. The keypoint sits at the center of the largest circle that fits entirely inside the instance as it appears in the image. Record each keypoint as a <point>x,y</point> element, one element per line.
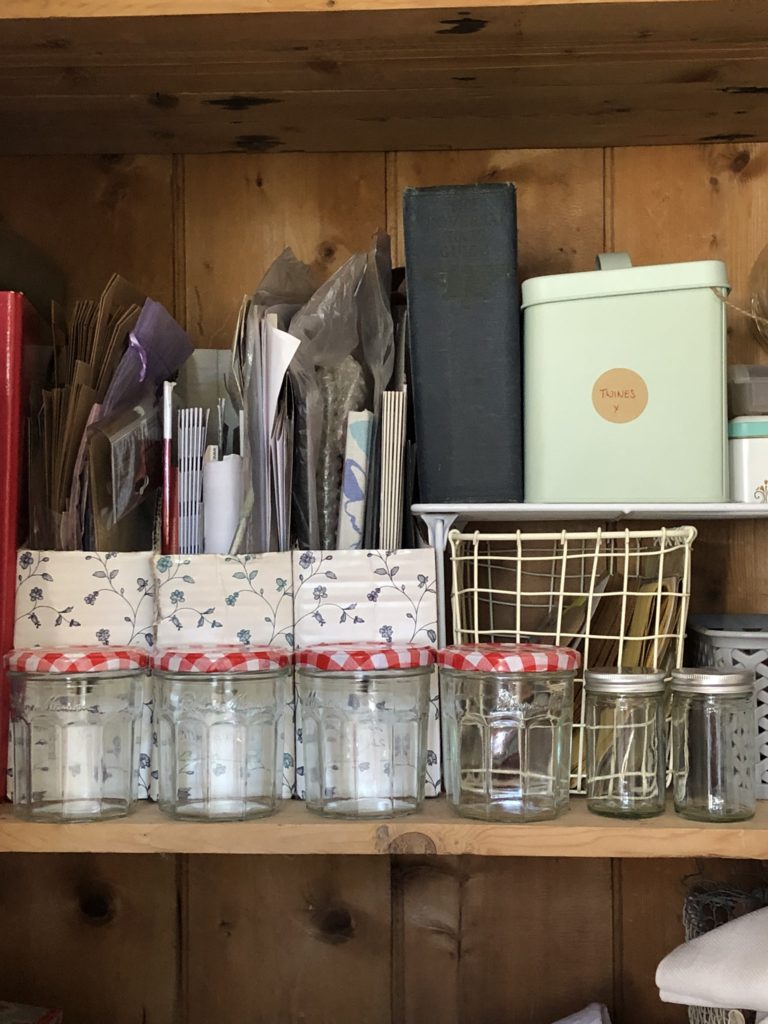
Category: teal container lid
<point>626,280</point>
<point>748,426</point>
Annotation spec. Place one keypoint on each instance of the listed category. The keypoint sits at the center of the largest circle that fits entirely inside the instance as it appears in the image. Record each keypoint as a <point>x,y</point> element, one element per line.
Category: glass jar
<point>713,743</point>
<point>75,721</point>
<point>508,712</point>
<point>220,737</point>
<point>364,719</point>
<point>626,764</point>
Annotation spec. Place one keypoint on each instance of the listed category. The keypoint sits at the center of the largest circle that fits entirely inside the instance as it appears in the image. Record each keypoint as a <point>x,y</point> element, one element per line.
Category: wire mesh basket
<point>620,597</point>
<point>706,909</point>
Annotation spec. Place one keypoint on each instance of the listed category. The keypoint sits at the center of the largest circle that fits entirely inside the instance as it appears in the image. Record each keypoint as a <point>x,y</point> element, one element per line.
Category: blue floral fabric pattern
<point>229,599</point>
<point>81,597</point>
<point>91,598</point>
<point>368,597</point>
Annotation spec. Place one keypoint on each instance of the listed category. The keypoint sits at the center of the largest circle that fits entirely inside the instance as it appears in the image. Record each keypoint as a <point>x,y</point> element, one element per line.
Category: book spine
<point>464,313</point>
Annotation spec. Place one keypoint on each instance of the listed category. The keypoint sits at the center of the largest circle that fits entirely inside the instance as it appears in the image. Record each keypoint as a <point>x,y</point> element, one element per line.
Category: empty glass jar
<point>220,713</point>
<point>713,743</point>
<point>364,713</point>
<point>508,711</point>
<point>626,767</point>
<point>75,719</point>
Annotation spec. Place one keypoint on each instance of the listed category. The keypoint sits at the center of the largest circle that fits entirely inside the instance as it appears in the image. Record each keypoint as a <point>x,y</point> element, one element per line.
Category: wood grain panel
<point>536,939</point>
<point>446,116</point>
<point>242,210</point>
<point>94,216</point>
<point>649,925</point>
<point>122,8</point>
<point>568,182</point>
<point>93,935</point>
<point>294,940</point>
<point>426,939</point>
<point>692,203</point>
<point>323,78</point>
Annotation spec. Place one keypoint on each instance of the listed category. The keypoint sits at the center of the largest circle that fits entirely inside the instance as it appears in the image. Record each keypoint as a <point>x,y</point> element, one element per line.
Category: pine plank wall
<point>368,940</point>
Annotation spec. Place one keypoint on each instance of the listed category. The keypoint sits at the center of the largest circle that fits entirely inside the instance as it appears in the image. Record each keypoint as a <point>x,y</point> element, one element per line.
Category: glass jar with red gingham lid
<point>75,720</point>
<point>221,711</point>
<point>508,711</point>
<point>364,714</point>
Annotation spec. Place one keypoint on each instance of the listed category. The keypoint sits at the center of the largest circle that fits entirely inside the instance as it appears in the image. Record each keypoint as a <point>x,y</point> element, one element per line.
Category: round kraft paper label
<point>619,395</point>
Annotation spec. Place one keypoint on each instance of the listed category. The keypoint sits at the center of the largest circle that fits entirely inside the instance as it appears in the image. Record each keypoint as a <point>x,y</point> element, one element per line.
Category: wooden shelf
<point>149,76</point>
<point>435,831</point>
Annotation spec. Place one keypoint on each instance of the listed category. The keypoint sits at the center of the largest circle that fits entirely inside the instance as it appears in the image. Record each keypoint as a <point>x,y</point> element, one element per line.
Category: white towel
<point>595,1013</point>
<point>727,967</point>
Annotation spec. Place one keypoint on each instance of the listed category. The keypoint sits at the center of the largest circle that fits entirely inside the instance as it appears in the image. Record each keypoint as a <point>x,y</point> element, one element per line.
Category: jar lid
<point>622,679</point>
<point>509,658</point>
<point>77,660</point>
<point>220,658</point>
<point>713,680</point>
<point>365,657</point>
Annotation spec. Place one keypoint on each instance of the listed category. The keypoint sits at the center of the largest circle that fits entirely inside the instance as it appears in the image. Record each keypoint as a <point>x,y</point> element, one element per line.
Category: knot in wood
<point>412,842</point>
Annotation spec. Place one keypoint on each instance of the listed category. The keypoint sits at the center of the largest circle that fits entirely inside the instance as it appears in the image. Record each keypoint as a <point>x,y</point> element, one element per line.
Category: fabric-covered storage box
<point>624,374</point>
<point>66,598</point>
<point>229,599</point>
<point>369,597</point>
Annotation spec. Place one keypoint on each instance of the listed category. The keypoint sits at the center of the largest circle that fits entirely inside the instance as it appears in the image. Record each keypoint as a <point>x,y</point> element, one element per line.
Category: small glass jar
<point>508,712</point>
<point>626,764</point>
<point>75,720</point>
<point>220,742</point>
<point>713,743</point>
<point>364,716</point>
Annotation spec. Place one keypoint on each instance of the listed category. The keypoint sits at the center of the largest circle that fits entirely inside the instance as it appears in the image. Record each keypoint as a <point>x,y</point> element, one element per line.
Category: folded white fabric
<point>725,968</point>
<point>595,1013</point>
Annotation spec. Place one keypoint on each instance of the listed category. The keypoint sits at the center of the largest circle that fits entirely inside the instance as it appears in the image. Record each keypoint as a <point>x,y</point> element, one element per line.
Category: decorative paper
<point>229,599</point>
<point>368,596</point>
<point>90,597</point>
<point>84,597</point>
<point>354,481</point>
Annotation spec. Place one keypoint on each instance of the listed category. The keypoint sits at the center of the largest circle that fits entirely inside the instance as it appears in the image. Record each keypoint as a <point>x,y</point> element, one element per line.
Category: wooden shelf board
<point>157,8</point>
<point>151,76</point>
<point>437,830</point>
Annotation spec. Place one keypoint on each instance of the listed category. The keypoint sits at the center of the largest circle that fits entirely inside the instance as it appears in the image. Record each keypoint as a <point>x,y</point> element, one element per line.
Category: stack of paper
<point>261,354</point>
<point>95,447</point>
<point>193,428</point>
<point>393,416</point>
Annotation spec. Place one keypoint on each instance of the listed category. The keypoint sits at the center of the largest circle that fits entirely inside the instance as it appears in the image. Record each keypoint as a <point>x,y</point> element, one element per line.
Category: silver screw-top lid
<point>710,679</point>
<point>620,679</point>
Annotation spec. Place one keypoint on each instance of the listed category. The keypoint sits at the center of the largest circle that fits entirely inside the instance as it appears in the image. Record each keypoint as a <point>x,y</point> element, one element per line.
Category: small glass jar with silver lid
<point>713,743</point>
<point>625,742</point>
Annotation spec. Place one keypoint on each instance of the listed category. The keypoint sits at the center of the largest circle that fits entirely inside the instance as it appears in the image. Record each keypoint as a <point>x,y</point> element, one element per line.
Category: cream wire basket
<point>620,597</point>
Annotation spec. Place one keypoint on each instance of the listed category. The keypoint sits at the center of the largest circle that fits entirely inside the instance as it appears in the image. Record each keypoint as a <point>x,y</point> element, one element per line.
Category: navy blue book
<point>464,316</point>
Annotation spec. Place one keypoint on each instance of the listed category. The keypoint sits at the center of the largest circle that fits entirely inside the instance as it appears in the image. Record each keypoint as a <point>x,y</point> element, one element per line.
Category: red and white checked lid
<point>220,658</point>
<point>365,657</point>
<point>509,658</point>
<point>76,660</point>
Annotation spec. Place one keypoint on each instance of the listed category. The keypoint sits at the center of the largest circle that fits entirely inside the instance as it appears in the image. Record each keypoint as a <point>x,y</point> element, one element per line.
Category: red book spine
<point>11,403</point>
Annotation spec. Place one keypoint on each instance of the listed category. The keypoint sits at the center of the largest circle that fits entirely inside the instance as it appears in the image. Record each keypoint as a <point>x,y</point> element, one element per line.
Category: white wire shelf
<point>527,511</point>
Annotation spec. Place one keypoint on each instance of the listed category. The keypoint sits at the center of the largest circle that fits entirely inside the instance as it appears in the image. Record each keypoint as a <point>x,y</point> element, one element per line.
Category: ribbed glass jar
<point>626,766</point>
<point>75,719</point>
<point>220,712</point>
<point>364,715</point>
<point>508,713</point>
<point>713,743</point>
